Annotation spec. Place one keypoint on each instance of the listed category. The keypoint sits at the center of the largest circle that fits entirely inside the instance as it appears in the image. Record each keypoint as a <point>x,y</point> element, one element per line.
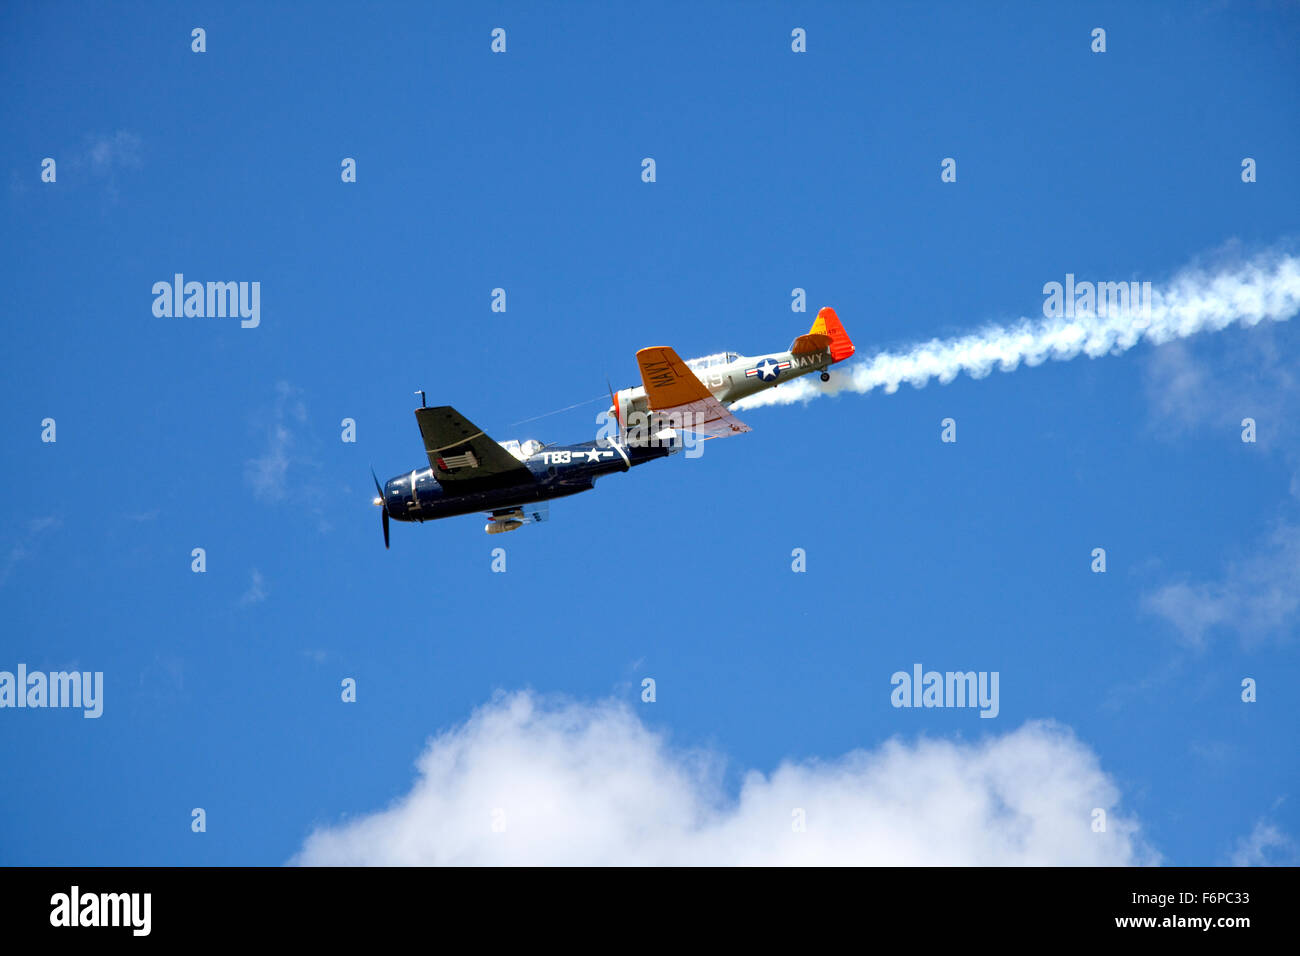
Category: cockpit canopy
<point>522,451</point>
<point>708,361</point>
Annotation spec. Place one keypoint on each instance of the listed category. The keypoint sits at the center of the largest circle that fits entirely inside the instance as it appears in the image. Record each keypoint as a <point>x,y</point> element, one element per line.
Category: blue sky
<point>522,170</point>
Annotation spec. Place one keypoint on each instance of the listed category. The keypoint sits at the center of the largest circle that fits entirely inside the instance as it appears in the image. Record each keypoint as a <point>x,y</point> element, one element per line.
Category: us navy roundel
<point>767,369</point>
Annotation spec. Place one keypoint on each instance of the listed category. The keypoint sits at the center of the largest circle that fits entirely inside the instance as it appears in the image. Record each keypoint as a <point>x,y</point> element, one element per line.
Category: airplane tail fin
<point>828,323</point>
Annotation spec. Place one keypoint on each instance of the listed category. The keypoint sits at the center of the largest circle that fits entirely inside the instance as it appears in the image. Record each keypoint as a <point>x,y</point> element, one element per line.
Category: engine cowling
<point>631,409</point>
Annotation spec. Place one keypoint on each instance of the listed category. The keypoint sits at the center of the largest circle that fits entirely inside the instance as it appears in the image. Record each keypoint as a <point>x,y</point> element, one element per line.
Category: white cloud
<point>1265,846</point>
<point>119,150</point>
<point>22,548</point>
<point>256,590</point>
<point>287,462</point>
<point>578,783</point>
<point>1216,385</point>
<point>105,158</point>
<point>1257,596</point>
<point>268,473</point>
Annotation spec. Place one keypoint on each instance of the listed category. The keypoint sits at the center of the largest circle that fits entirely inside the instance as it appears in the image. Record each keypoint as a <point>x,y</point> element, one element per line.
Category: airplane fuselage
<point>729,377</point>
<point>557,471</point>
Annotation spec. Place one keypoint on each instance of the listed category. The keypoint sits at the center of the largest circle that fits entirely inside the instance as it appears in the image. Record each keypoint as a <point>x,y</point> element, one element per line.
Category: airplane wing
<point>678,399</point>
<point>461,456</point>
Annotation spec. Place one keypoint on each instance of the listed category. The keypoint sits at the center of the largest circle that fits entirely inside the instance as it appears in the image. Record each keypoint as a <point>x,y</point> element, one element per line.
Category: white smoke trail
<point>1193,301</point>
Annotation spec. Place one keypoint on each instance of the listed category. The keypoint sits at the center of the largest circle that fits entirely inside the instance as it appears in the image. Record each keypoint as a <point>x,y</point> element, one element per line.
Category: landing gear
<point>826,376</point>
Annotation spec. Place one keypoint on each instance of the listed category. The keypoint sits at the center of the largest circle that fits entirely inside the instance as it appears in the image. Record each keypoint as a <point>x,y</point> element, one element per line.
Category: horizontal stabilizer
<point>810,343</point>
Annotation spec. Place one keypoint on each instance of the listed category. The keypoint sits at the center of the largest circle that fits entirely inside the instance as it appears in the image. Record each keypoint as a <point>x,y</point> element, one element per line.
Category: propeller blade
<point>382,501</point>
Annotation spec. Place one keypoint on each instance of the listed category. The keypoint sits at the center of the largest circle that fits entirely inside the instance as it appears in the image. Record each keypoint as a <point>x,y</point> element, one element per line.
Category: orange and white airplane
<point>692,395</point>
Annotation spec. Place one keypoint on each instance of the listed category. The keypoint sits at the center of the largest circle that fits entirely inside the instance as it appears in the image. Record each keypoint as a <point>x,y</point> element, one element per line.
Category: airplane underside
<point>429,508</point>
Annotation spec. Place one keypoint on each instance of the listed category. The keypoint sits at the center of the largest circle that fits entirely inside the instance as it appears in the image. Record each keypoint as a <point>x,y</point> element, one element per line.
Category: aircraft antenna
<point>557,411</point>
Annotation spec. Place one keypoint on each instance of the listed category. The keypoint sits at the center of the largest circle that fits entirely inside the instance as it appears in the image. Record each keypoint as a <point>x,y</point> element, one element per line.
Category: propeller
<point>382,503</point>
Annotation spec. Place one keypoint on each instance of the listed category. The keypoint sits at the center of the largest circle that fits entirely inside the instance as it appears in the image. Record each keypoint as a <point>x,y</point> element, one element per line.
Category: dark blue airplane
<point>469,472</point>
